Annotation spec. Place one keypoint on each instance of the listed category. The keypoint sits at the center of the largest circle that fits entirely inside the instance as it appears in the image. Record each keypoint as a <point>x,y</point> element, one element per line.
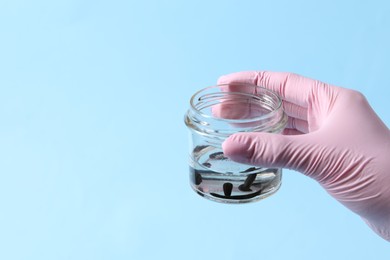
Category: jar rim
<point>255,96</point>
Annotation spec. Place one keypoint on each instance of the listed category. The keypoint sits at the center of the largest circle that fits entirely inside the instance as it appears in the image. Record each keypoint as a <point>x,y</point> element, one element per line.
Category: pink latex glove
<point>332,136</point>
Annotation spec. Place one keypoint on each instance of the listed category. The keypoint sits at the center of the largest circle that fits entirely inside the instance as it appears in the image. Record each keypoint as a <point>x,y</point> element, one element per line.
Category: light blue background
<point>93,148</point>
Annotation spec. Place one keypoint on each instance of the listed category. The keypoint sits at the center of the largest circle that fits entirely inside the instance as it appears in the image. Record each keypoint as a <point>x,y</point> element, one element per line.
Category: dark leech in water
<point>217,156</point>
<point>248,182</point>
<point>196,177</point>
<point>206,164</point>
<point>227,189</point>
<point>199,148</point>
<point>249,169</point>
<point>237,197</point>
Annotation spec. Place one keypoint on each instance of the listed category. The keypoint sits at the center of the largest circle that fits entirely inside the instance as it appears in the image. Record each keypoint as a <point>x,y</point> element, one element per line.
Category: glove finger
<point>291,87</point>
<point>267,150</point>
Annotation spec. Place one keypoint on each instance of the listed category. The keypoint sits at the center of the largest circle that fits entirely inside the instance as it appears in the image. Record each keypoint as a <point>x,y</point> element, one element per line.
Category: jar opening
<point>224,103</point>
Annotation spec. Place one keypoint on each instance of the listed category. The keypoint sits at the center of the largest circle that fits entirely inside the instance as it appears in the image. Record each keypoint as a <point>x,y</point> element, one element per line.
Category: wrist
<point>382,229</point>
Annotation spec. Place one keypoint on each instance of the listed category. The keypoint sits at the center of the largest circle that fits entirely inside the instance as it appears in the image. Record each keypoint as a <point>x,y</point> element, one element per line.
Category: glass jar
<point>217,112</point>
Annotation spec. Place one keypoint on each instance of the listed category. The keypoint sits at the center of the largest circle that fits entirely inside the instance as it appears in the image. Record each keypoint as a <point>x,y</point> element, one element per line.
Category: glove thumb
<point>270,150</point>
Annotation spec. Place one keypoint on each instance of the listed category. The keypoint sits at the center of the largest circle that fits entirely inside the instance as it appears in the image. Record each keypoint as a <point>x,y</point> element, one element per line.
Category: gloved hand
<point>332,136</point>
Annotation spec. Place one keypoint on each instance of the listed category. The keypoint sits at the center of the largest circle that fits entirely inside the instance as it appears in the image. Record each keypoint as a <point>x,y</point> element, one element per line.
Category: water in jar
<point>215,177</point>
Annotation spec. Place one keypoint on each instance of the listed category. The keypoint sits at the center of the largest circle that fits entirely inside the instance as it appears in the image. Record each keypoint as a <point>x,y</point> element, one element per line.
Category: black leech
<point>227,189</point>
<point>248,182</point>
<point>198,178</point>
<point>238,197</point>
<point>217,156</point>
<point>199,148</point>
<point>249,170</point>
<point>206,164</point>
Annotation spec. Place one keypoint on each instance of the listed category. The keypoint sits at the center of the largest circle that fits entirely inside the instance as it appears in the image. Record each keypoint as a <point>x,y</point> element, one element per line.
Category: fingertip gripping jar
<point>217,112</point>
